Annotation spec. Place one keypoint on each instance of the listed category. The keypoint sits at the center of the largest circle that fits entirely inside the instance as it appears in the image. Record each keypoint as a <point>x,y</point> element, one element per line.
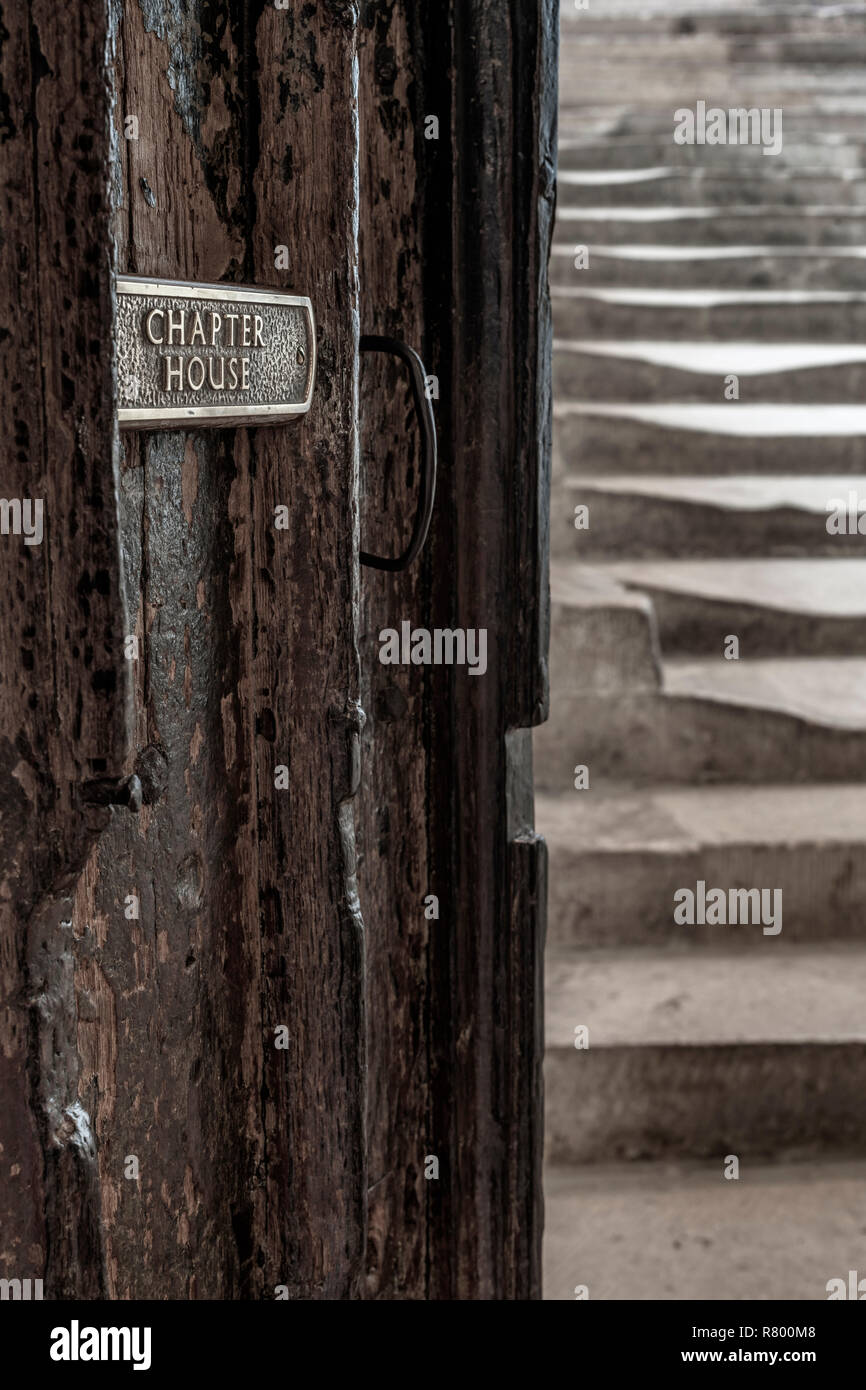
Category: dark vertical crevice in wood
<point>534,85</point>
<point>527,892</point>
<point>244,20</point>
<point>434,44</point>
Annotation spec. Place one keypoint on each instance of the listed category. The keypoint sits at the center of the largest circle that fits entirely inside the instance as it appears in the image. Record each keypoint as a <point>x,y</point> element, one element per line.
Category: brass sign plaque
<point>211,354</point>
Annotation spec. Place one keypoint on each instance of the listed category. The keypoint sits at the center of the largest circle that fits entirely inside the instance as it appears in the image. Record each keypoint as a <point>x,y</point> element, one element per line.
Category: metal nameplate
<point>212,354</point>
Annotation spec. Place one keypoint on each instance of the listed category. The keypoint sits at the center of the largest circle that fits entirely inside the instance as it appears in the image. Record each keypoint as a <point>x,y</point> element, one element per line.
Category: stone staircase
<point>707,518</point>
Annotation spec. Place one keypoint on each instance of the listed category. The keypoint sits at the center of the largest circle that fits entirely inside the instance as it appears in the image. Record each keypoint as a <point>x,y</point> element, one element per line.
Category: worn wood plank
<point>454,236</point>
<point>246,915</point>
<point>63,686</point>
<point>504,128</point>
<point>170,1039</point>
<point>151,1036</point>
<point>394,870</point>
<point>306,671</point>
<point>249,919</point>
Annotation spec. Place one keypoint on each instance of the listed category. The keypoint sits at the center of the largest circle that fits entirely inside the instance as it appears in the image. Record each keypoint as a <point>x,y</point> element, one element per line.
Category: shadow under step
<point>732,437</point>
<point>814,226</point>
<point>707,267</point>
<point>692,370</point>
<point>829,151</point>
<point>664,185</point>
<point>756,316</point>
<point>685,518</point>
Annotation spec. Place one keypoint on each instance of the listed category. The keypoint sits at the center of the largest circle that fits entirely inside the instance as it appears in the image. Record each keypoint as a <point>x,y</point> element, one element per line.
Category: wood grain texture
<point>250,1158</point>
<point>250,665</point>
<point>63,690</point>
<point>306,670</point>
<point>395,869</point>
<point>502,213</point>
<point>503,191</point>
<point>148,1033</point>
<point>454,243</point>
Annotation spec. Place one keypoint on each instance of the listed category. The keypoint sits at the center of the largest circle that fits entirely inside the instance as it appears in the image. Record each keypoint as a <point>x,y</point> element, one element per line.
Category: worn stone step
<point>778,607</point>
<point>635,17</point>
<point>816,226</point>
<point>732,437</point>
<point>675,52</point>
<point>741,78</point>
<point>682,1231</point>
<point>603,636</point>
<point>737,86</point>
<point>617,857</point>
<point>685,370</point>
<point>778,719</point>
<point>826,150</point>
<point>825,692</point>
<point>827,316</point>
<point>592,79</point>
<point>670,187</point>
<point>638,21</point>
<point>692,517</point>
<point>714,267</point>
<point>815,120</point>
<point>699,1054</point>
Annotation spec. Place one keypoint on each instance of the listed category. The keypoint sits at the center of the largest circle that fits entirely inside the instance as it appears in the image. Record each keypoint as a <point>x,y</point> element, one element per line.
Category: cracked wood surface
<point>159,1029</point>
<point>148,957</point>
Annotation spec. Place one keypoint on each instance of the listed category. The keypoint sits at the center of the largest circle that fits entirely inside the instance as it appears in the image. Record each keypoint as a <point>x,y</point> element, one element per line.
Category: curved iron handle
<point>427,423</point>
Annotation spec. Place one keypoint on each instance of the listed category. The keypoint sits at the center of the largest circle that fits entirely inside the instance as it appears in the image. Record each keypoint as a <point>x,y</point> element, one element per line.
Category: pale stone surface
<point>738,419</point>
<point>706,299</point>
<point>819,586</point>
<point>737,493</point>
<point>717,359</point>
<point>828,691</point>
<point>614,176</point>
<point>713,998</point>
<point>666,1231</point>
<point>698,214</point>
<point>702,818</point>
<point>711,253</point>
<point>707,1036</point>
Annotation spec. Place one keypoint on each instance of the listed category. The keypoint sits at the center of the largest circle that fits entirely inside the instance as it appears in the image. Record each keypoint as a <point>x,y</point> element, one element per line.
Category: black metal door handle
<point>427,425</point>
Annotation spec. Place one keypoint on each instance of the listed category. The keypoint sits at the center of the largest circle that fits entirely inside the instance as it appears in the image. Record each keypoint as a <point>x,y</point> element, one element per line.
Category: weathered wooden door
<point>234,1030</point>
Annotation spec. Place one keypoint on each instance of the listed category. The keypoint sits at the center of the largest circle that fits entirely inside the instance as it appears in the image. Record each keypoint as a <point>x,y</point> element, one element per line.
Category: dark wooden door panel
<point>64,686</point>
<point>250,1156</point>
<point>457,109</point>
<point>232,1041</point>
